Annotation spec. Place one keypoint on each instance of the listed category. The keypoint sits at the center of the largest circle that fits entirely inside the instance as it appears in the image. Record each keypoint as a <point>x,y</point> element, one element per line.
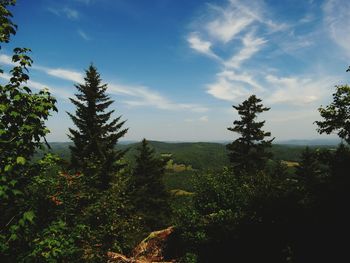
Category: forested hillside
<point>200,155</point>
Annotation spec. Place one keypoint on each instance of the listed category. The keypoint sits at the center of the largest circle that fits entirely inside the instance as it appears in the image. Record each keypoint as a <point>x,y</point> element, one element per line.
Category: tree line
<point>53,211</point>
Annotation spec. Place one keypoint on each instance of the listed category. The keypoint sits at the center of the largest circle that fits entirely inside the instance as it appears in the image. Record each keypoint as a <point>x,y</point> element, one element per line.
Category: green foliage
<point>22,116</point>
<point>337,115</point>
<point>179,180</point>
<point>56,243</point>
<point>310,168</point>
<point>7,27</point>
<point>148,190</point>
<point>94,151</point>
<point>243,219</point>
<point>249,152</point>
<point>113,223</point>
<point>189,258</point>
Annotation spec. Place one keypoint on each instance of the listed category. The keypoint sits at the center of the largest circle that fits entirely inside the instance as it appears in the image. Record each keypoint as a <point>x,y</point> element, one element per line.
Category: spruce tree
<point>249,153</point>
<point>96,136</point>
<point>309,166</point>
<point>149,193</point>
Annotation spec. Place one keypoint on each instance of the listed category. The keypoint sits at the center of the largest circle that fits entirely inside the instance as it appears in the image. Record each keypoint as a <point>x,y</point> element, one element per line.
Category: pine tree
<point>150,195</point>
<point>93,152</point>
<point>309,166</point>
<point>249,153</point>
<point>310,171</point>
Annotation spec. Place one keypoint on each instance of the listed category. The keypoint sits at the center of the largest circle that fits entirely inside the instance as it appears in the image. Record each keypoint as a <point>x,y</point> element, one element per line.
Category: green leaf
<point>13,237</point>
<point>29,216</point>
<point>17,192</point>
<point>21,160</point>
<point>8,168</point>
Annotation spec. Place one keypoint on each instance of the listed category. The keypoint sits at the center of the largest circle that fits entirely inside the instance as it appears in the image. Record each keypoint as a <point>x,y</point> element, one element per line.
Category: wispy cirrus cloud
<point>144,96</point>
<point>65,74</point>
<point>83,35</point>
<point>337,22</point>
<point>298,90</point>
<point>243,29</point>
<point>59,92</point>
<point>228,23</point>
<point>225,89</point>
<point>232,25</point>
<point>200,45</point>
<point>71,13</point>
<point>7,60</point>
<point>67,12</point>
<point>251,45</point>
<point>133,95</point>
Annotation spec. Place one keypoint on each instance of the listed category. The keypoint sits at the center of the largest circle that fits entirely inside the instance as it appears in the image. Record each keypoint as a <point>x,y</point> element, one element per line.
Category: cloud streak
<point>83,35</point>
<point>337,22</point>
<point>242,29</point>
<point>144,96</point>
<point>136,96</point>
<point>59,92</point>
<point>251,45</point>
<point>200,45</point>
<point>228,23</point>
<point>67,12</point>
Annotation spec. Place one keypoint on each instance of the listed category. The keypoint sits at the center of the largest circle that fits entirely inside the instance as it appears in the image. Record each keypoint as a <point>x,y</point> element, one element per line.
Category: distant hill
<point>311,142</point>
<point>203,155</point>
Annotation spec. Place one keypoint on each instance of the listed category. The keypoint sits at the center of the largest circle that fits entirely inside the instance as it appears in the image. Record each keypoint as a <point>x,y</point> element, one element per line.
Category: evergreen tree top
<point>97,133</point>
<point>248,153</point>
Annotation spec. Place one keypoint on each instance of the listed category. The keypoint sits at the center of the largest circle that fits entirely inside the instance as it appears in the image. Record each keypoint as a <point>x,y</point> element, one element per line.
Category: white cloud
<point>228,23</point>
<point>232,86</point>
<point>337,21</point>
<point>257,11</point>
<point>307,19</point>
<point>144,96</point>
<point>243,78</point>
<point>65,74</point>
<point>59,92</point>
<point>251,45</point>
<point>7,60</point>
<point>247,26</point>
<point>71,13</point>
<point>138,95</point>
<point>204,119</point>
<point>225,89</point>
<point>83,35</point>
<point>298,90</point>
<point>200,45</point>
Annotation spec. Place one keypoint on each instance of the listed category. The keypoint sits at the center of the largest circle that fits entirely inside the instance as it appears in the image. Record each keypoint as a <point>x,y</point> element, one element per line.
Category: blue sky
<point>175,67</point>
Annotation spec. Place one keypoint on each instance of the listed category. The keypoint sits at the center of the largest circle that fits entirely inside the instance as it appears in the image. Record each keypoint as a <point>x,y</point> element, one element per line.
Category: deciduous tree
<point>336,116</point>
<point>22,129</point>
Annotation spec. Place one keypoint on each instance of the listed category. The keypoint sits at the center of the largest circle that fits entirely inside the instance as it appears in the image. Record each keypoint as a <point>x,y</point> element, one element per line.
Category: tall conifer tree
<point>96,135</point>
<point>249,152</point>
<point>150,195</point>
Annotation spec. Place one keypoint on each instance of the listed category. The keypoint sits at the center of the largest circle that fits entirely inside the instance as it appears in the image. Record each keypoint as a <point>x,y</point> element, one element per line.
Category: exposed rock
<point>150,250</point>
